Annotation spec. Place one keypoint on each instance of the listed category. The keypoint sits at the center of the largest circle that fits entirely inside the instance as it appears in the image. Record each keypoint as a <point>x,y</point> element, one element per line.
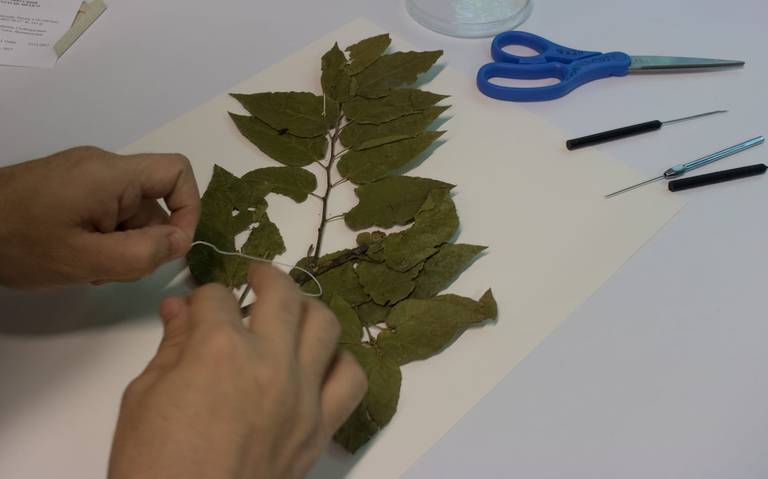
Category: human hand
<point>87,215</point>
<point>222,400</point>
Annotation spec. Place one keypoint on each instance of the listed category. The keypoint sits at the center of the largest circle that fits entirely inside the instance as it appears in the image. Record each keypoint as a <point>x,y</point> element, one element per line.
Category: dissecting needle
<point>682,168</point>
<point>627,131</point>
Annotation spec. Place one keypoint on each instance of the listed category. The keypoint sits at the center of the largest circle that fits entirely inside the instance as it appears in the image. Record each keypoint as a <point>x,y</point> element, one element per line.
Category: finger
<point>344,388</point>
<point>276,314</point>
<point>170,176</point>
<point>174,314</point>
<point>128,255</point>
<point>148,213</point>
<point>211,304</point>
<point>318,342</point>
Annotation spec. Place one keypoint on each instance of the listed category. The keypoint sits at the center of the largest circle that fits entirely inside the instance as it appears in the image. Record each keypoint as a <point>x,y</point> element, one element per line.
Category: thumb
<point>130,255</point>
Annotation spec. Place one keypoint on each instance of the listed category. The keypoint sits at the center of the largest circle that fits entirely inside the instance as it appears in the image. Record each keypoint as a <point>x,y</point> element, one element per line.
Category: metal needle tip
<point>630,188</point>
<point>678,120</point>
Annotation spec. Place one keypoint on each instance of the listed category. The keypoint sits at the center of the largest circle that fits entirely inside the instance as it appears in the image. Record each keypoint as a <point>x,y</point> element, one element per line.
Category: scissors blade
<point>649,63</point>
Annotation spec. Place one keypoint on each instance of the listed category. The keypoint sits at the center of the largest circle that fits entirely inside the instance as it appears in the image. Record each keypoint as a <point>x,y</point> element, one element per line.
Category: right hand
<point>227,401</point>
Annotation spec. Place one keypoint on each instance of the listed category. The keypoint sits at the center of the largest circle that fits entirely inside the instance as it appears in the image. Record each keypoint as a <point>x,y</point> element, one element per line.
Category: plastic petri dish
<point>469,18</point>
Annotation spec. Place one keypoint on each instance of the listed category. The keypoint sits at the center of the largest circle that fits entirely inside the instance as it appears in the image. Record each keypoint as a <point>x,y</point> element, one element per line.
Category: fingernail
<point>179,244</point>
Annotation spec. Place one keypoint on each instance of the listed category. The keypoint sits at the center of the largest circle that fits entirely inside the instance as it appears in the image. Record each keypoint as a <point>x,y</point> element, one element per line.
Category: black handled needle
<point>626,131</point>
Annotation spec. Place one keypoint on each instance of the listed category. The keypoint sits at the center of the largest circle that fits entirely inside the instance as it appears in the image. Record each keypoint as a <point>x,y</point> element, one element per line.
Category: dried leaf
<point>365,52</point>
<point>351,327</point>
<point>372,313</point>
<point>297,113</point>
<point>358,430</point>
<point>228,207</point>
<point>295,183</point>
<point>264,241</point>
<point>435,224</point>
<point>335,80</point>
<point>332,113</point>
<point>391,71</point>
<point>380,402</point>
<point>375,242</point>
<point>361,136</point>
<point>342,281</point>
<point>385,285</point>
<point>424,327</point>
<point>391,201</point>
<point>397,104</point>
<point>367,166</point>
<point>285,148</point>
<point>442,269</point>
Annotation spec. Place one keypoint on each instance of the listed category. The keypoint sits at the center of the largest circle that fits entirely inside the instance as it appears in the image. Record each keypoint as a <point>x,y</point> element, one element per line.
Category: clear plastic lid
<point>469,18</point>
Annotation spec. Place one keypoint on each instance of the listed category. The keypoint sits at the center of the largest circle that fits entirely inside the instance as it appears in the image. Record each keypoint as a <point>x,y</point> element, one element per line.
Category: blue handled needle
<point>682,168</point>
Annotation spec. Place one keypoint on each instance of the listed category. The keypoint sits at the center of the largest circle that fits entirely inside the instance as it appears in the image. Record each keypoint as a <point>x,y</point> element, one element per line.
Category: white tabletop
<point>660,374</point>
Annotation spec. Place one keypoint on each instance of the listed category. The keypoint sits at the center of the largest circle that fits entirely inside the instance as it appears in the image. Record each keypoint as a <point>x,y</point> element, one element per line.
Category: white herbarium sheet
<point>553,239</point>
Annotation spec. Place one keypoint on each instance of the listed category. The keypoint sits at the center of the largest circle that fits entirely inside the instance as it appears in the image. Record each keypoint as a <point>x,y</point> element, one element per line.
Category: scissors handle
<point>571,76</point>
<point>547,51</point>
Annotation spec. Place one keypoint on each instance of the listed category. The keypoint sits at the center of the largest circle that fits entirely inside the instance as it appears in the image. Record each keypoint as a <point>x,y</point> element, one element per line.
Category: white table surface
<point>660,374</point>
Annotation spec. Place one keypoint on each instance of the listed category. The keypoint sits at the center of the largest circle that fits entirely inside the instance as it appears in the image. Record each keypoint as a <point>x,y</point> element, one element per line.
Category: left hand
<point>88,215</point>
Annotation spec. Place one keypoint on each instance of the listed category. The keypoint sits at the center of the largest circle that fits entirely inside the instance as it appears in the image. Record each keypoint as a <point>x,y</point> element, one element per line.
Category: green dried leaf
<point>372,313</point>
<point>375,242</point>
<point>342,281</point>
<point>351,327</point>
<point>380,402</point>
<point>282,147</point>
<point>385,285</point>
<point>295,183</point>
<point>297,113</point>
<point>365,52</point>
<point>361,136</point>
<point>228,207</point>
<point>358,430</point>
<point>332,113</point>
<point>367,166</point>
<point>397,104</point>
<point>335,79</point>
<point>264,241</point>
<point>391,201</point>
<point>442,269</point>
<point>391,71</point>
<point>435,224</point>
<point>424,327</point>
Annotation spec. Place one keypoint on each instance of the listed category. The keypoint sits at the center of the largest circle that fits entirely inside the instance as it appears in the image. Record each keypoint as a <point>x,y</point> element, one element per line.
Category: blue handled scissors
<point>572,67</point>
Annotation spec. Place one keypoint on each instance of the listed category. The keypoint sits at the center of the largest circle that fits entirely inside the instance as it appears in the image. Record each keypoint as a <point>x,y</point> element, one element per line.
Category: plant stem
<point>328,187</point>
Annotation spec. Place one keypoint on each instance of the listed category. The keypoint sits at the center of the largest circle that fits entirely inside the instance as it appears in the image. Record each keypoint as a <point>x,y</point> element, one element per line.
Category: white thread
<point>262,260</point>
